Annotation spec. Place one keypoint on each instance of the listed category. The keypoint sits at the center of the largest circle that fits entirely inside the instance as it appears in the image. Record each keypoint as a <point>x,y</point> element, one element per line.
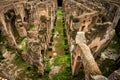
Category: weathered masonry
<point>89,27</point>
<point>30,21</point>
<point>26,28</point>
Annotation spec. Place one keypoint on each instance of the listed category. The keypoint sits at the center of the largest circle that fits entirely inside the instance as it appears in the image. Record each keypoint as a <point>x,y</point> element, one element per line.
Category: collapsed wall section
<point>27,26</point>
<point>88,22</point>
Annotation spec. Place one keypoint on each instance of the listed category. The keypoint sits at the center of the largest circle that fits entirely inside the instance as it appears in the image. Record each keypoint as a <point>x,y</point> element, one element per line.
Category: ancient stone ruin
<point>26,28</point>
<point>33,22</point>
<point>90,27</point>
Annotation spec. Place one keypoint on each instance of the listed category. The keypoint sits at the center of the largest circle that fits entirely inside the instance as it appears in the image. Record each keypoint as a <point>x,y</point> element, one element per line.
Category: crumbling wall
<point>39,36</point>
<point>27,26</point>
<point>92,20</point>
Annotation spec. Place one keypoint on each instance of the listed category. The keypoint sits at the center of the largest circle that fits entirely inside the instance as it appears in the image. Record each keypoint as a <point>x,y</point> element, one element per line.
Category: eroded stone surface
<point>97,19</point>
<point>27,26</point>
<point>115,75</point>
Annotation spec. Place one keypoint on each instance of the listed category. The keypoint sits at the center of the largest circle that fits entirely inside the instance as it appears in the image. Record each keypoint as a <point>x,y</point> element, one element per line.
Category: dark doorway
<point>60,3</point>
<point>117,29</point>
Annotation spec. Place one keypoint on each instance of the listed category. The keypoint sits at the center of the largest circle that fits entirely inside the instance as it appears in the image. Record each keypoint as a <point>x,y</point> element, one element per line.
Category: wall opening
<point>117,29</point>
<point>59,3</point>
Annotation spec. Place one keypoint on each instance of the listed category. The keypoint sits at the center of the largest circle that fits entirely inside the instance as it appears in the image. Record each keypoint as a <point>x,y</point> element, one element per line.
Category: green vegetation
<point>15,32</point>
<point>47,70</point>
<point>66,74</point>
<point>31,72</point>
<point>45,76</point>
<point>31,26</point>
<point>23,45</point>
<point>115,43</point>
<point>53,33</point>
<point>59,12</point>
<point>48,66</point>
<point>63,75</point>
<point>28,70</point>
<point>62,60</point>
<point>107,67</point>
<point>59,22</point>
<point>19,61</point>
<point>2,39</point>
<point>66,47</point>
<point>60,36</point>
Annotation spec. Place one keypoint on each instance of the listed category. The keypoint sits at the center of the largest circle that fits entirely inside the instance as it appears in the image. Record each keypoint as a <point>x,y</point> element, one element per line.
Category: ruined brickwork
<point>30,21</point>
<point>42,17</point>
<point>27,25</point>
<point>89,26</point>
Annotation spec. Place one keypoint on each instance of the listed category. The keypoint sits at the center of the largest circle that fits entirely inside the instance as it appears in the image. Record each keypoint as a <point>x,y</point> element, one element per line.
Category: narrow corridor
<point>58,63</point>
<point>58,60</point>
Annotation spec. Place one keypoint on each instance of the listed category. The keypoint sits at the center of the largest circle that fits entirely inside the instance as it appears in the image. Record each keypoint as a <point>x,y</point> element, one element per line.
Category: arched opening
<point>59,3</point>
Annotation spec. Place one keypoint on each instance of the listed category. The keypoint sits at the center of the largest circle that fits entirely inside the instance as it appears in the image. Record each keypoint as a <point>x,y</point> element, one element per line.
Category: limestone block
<point>98,77</point>
<point>80,37</point>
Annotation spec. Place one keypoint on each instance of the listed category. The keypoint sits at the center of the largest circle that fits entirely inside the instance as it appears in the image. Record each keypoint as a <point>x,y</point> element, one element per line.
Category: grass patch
<point>19,61</point>
<point>66,74</point>
<point>66,47</point>
<point>63,75</point>
<point>60,12</point>
<point>48,66</point>
<point>60,44</point>
<point>23,45</point>
<point>60,29</point>
<point>31,27</point>
<point>62,60</point>
<point>45,76</point>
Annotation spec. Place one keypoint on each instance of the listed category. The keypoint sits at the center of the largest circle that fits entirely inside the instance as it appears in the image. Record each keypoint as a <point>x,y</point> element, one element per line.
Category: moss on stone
<point>31,26</point>
<point>115,43</point>
<point>107,67</point>
<point>22,45</point>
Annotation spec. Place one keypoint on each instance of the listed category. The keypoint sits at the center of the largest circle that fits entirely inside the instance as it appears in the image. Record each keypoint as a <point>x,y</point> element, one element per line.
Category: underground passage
<point>59,40</point>
<point>59,2</point>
